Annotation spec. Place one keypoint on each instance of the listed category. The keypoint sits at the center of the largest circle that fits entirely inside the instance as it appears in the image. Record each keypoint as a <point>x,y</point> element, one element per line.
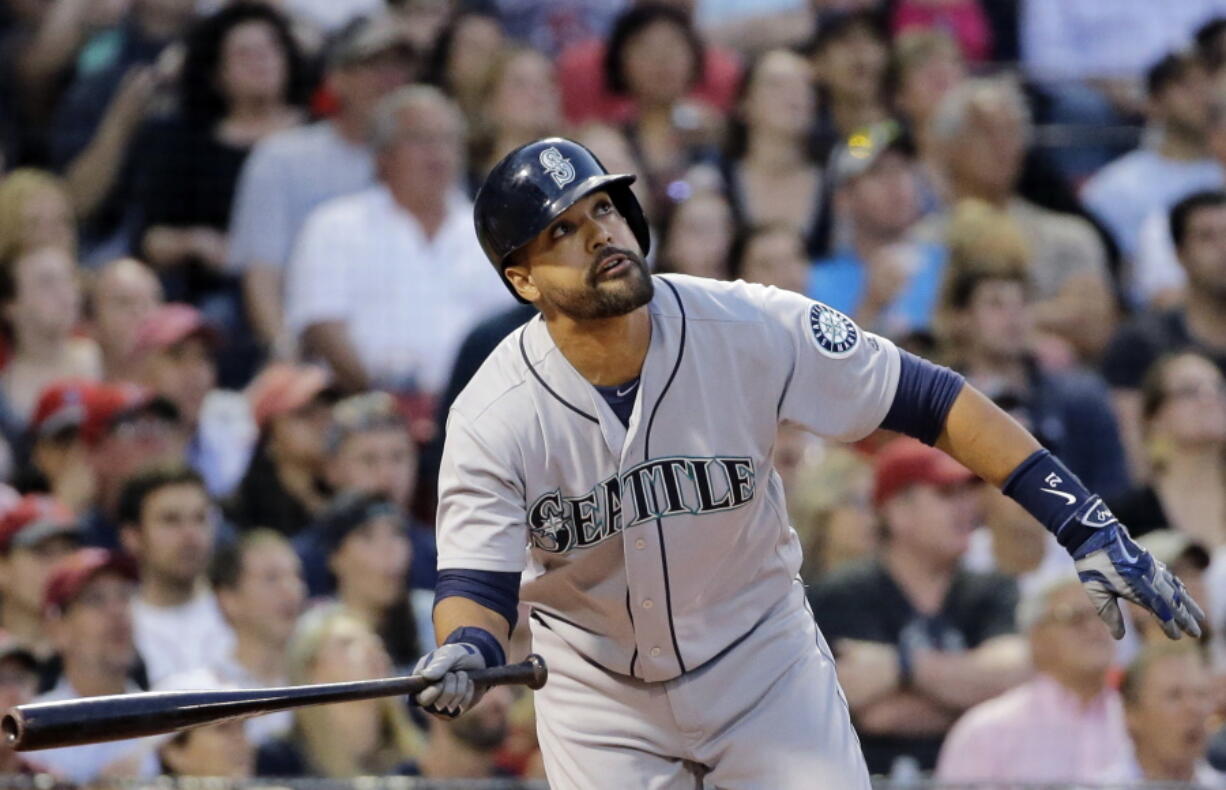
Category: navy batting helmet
<point>536,183</point>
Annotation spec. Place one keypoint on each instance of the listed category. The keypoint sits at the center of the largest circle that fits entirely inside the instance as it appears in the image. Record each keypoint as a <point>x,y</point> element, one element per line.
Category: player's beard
<point>599,299</point>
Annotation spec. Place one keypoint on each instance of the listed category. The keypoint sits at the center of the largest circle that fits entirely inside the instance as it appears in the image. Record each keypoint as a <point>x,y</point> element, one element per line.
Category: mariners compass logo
<point>557,166</point>
<point>836,334</point>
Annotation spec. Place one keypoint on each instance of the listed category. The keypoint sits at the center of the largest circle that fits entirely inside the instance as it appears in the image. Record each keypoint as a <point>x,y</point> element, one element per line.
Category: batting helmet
<point>536,183</point>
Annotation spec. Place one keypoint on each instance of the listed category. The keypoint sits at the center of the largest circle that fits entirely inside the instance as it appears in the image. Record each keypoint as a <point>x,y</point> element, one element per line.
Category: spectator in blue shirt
<point>885,280</point>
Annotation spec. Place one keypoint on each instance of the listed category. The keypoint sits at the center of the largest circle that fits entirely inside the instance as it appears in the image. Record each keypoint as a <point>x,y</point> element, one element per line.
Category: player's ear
<point>520,277</point>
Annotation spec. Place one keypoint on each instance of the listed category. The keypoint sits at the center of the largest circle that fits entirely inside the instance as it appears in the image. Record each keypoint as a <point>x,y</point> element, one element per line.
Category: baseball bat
<point>45,725</point>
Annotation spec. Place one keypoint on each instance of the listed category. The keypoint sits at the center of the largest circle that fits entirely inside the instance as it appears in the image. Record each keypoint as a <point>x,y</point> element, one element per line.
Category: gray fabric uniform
<point>659,554</point>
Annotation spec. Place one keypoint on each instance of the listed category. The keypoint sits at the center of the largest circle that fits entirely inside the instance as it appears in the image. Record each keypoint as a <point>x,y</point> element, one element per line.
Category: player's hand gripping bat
<point>44,725</point>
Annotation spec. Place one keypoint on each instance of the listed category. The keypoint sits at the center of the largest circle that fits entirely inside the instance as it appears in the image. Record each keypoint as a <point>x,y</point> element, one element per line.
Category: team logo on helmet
<point>557,166</point>
<point>835,333</point>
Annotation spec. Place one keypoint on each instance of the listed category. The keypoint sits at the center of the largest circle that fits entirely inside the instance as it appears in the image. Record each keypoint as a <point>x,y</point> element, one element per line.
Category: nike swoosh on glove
<point>1112,566</point>
<point>452,691</point>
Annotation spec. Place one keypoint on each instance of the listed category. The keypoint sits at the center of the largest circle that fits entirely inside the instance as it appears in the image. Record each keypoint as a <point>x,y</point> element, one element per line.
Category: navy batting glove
<point>1112,566</point>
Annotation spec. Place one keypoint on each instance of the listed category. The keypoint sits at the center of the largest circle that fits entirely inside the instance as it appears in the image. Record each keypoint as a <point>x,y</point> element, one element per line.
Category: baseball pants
<point>766,715</point>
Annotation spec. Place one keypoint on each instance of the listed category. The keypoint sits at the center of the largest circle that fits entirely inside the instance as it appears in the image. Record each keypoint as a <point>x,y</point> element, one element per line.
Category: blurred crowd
<point>240,285</point>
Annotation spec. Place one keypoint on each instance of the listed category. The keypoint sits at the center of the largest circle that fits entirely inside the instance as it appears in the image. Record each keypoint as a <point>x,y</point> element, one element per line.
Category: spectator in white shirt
<point>1155,177</point>
<point>289,174</point>
<point>167,524</point>
<point>258,583</point>
<point>384,284</point>
<point>1156,278</point>
<point>89,615</point>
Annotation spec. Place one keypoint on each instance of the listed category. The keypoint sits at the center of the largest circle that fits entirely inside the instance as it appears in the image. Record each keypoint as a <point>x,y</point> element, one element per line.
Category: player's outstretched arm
<point>1111,566</point>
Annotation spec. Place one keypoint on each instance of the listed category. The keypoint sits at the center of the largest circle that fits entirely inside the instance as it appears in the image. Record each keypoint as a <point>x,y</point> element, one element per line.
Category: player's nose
<point>599,235</point>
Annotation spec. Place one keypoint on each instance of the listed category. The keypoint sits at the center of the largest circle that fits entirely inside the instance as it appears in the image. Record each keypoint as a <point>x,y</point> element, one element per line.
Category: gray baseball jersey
<point>651,548</point>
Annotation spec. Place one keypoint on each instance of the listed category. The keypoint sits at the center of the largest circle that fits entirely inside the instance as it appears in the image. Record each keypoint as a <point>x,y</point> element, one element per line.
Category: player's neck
<point>606,352</point>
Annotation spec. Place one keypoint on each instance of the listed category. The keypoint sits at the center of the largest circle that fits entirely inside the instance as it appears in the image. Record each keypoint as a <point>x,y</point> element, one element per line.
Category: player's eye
<point>604,207</point>
<point>560,229</point>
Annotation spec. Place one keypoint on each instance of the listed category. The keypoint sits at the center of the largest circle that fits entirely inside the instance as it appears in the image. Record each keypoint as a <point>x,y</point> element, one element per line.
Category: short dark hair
<point>837,25</point>
<point>137,490</point>
<point>226,567</point>
<point>632,22</point>
<point>1181,214</point>
<point>1208,44</point>
<point>198,89</point>
<point>1171,68</point>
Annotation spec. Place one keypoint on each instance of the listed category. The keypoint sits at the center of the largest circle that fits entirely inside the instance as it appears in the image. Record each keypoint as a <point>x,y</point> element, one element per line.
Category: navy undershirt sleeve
<point>925,394</point>
<point>495,590</point>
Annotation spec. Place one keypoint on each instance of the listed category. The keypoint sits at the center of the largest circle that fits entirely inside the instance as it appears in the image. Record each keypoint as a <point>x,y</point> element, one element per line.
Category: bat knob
<point>540,672</point>
<point>12,730</point>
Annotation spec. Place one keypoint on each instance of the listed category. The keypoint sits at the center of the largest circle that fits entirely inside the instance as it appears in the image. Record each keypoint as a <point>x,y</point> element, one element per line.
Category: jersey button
<point>655,651</point>
<point>640,544</point>
<point>648,604</point>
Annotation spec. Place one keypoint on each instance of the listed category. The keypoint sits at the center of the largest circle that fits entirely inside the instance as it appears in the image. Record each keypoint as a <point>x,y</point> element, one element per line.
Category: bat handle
<point>530,672</point>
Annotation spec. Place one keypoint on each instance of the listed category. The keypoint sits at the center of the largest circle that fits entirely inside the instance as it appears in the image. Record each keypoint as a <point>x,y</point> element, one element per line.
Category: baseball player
<point>610,466</point>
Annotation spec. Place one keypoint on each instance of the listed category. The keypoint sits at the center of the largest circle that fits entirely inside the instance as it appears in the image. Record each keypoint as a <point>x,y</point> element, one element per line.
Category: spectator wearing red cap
<point>35,533</point>
<point>176,349</point>
<point>284,486</point>
<point>88,603</point>
<point>121,295</point>
<point>88,438</point>
<point>168,524</point>
<point>41,301</point>
<point>919,639</point>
